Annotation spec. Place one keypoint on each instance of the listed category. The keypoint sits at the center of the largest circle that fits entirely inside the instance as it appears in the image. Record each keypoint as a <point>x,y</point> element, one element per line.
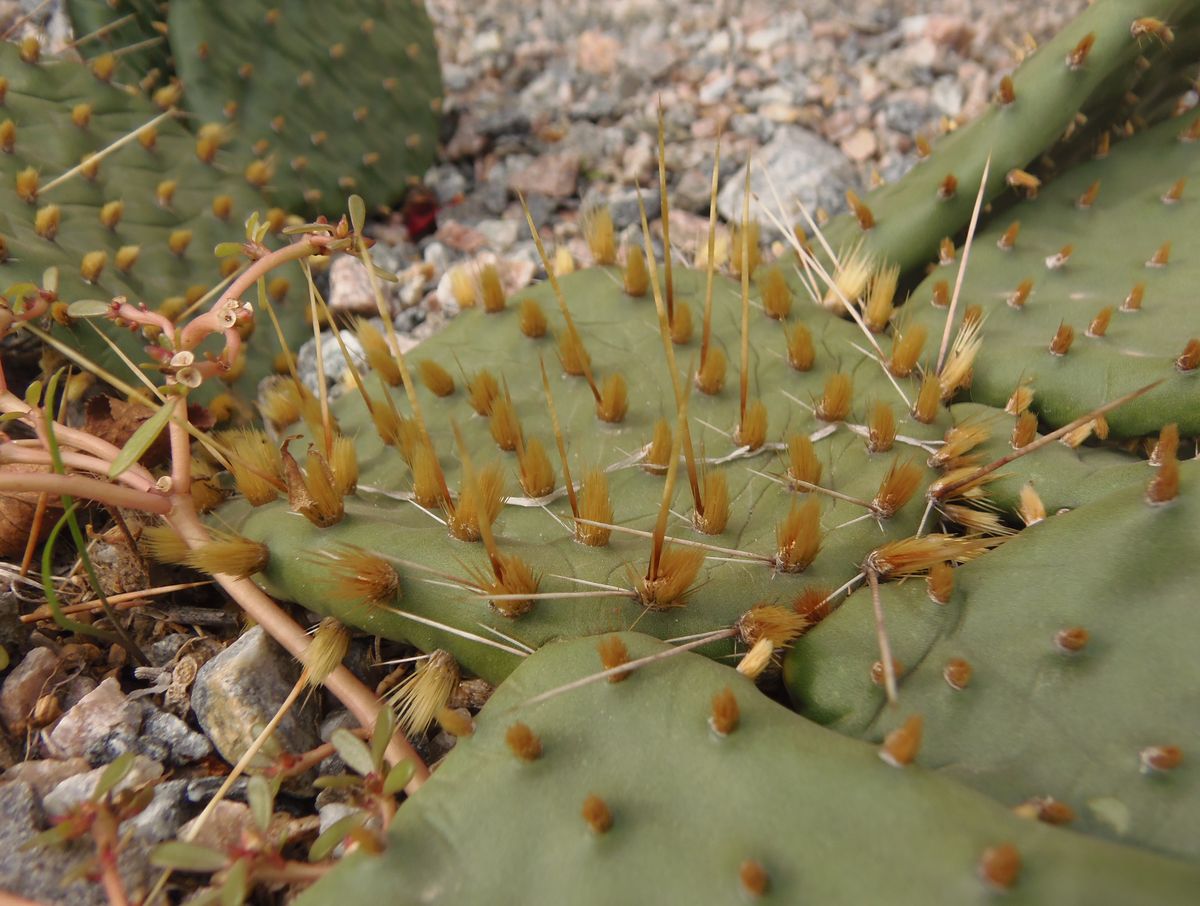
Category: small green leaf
<point>358,213</point>
<point>33,394</point>
<point>337,781</point>
<point>398,777</point>
<point>141,440</point>
<point>10,416</point>
<point>188,857</point>
<point>385,276</point>
<point>385,726</point>
<point>50,279</point>
<point>262,801</point>
<point>88,308</point>
<point>335,834</point>
<point>227,249</point>
<point>252,225</point>
<point>233,891</point>
<point>353,751</point>
<point>18,292</point>
<point>52,837</point>
<point>112,775</point>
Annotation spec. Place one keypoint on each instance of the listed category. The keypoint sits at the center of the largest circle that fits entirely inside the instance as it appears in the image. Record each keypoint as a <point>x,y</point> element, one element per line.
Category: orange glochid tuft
<point>803,465</point>
<point>907,345</point>
<point>677,571</point>
<point>597,814</point>
<point>1000,866</point>
<point>681,323</point>
<point>798,537</point>
<point>878,673</point>
<point>751,431</point>
<point>532,318</point>
<point>881,428</point>
<point>491,290</point>
<point>897,488</point>
<point>900,746</point>
<point>523,742</point>
<point>716,504</point>
<point>834,404</point>
<point>613,653</point>
<point>957,674</point>
<point>1164,487</point>
<point>939,583</point>
<point>1060,345</point>
<point>776,294</point>
<point>725,713</point>
<point>711,376</point>
<point>755,880</point>
<point>862,213</point>
<point>505,425</point>
<point>658,452</point>
<point>636,279</point>
<point>437,379</point>
<point>614,399</point>
<point>1099,325</point>
<point>534,469</point>
<point>595,504</point>
<point>800,350</point>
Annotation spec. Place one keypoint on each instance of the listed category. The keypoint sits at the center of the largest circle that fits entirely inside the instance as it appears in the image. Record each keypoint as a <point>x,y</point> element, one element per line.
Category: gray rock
<point>623,205</point>
<point>238,692</point>
<point>86,727</point>
<point>75,790</point>
<point>334,812</point>
<point>23,685</point>
<point>183,745</point>
<point>201,789</point>
<point>336,371</point>
<point>37,873</point>
<point>801,165</point>
<point>164,650</point>
<point>447,181</point>
<point>162,818</point>
<point>501,234</point>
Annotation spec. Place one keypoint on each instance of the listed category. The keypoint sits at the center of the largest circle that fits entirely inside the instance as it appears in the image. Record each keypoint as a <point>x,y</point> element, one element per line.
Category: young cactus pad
<point>805,815</point>
<point>1079,640</point>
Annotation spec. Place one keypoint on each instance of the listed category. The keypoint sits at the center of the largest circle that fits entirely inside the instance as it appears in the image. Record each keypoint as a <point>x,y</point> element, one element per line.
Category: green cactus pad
<point>693,814</point>
<point>1034,720</point>
<point>621,334</point>
<point>1113,239</point>
<point>343,98</point>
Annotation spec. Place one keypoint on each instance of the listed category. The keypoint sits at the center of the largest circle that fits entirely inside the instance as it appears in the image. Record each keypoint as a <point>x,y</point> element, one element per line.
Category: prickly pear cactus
<point>112,192</point>
<point>777,542</point>
<point>1091,295</point>
<point>1070,91</point>
<point>610,793</point>
<point>1060,666</point>
<point>322,100</point>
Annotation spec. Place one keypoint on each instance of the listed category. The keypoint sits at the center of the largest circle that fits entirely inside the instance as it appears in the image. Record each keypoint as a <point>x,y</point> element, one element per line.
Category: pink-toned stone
<point>596,52</point>
<point>23,686</point>
<point>553,175</point>
<point>860,145</point>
